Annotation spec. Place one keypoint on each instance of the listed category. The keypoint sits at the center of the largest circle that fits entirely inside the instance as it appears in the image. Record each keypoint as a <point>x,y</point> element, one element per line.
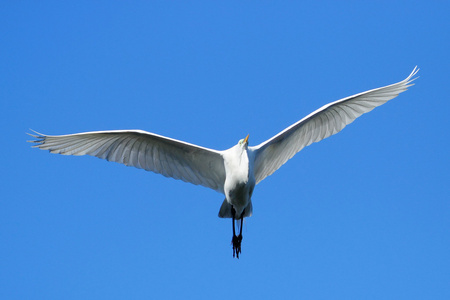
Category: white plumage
<point>233,172</point>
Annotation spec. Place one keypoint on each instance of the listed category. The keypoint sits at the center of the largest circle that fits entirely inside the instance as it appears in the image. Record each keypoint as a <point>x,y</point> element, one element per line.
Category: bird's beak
<point>246,139</point>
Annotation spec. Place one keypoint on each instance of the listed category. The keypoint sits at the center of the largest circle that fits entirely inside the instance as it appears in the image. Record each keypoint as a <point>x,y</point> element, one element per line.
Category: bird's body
<point>239,180</point>
<point>233,172</point>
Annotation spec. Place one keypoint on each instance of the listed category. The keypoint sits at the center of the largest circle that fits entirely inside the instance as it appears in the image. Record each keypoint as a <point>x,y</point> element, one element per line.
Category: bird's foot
<point>236,241</point>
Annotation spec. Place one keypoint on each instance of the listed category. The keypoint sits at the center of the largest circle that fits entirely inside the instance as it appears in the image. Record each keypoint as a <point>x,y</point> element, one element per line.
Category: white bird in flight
<point>233,172</point>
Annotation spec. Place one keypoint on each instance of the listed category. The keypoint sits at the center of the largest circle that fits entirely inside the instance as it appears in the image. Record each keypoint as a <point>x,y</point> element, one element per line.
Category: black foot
<point>236,241</point>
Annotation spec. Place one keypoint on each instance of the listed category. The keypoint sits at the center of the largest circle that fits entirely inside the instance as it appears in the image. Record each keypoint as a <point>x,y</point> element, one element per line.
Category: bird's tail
<point>225,210</point>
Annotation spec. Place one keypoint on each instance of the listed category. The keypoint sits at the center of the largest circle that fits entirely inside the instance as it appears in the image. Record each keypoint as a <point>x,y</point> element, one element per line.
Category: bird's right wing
<point>322,123</point>
<point>144,150</point>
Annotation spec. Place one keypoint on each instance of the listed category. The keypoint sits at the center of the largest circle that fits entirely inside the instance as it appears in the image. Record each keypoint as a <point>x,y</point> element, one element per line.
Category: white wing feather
<point>322,123</point>
<point>144,150</point>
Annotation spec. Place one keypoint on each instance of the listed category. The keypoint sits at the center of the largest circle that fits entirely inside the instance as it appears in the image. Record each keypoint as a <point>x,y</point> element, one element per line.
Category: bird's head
<point>244,142</point>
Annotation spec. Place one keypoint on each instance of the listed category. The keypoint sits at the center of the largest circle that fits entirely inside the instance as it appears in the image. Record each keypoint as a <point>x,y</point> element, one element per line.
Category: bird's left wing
<point>322,123</point>
<point>144,150</point>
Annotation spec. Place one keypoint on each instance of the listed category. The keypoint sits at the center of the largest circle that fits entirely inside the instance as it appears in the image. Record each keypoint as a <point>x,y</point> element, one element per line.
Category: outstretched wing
<point>324,122</point>
<point>143,150</point>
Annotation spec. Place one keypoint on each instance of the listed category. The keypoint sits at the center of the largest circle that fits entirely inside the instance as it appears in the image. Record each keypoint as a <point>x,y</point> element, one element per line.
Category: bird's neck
<point>237,165</point>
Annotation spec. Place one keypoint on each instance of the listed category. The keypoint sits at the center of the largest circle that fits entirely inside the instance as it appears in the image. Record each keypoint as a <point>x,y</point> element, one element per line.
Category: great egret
<point>233,172</point>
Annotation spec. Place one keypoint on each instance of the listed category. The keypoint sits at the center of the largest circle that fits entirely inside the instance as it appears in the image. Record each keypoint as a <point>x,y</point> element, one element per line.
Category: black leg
<point>240,230</point>
<point>233,214</point>
<point>233,240</point>
<point>236,241</point>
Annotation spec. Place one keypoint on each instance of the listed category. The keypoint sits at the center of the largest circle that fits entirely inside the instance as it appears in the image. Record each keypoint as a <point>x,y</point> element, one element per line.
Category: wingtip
<point>414,72</point>
<point>408,80</point>
<point>39,138</point>
<point>37,133</point>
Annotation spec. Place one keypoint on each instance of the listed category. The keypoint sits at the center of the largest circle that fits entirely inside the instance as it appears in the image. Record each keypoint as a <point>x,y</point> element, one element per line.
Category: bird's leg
<point>236,241</point>
<point>233,214</point>
<point>240,230</point>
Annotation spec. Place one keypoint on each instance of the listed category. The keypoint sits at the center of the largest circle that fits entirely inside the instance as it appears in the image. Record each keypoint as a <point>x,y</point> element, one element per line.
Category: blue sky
<point>364,214</point>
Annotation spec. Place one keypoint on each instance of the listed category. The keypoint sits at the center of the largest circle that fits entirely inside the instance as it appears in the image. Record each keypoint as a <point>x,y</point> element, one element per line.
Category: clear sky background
<point>364,214</point>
